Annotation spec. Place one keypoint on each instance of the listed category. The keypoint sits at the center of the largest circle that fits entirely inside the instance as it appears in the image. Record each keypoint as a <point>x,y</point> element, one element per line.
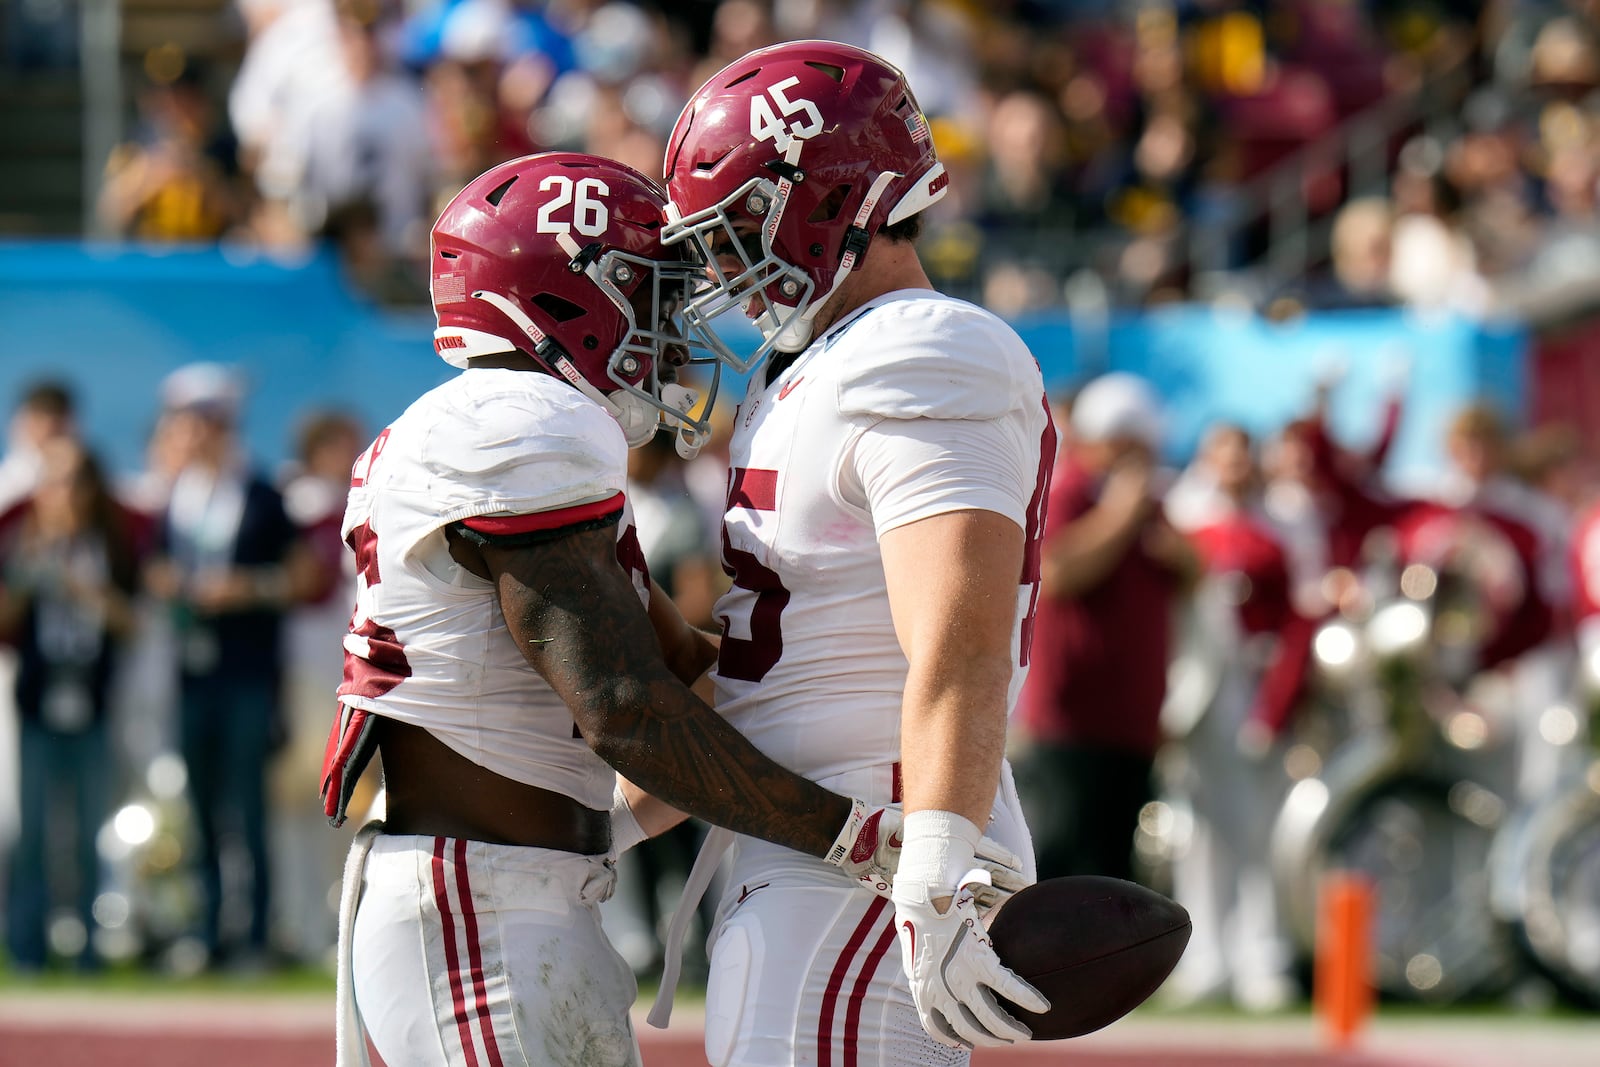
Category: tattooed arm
<point>579,622</point>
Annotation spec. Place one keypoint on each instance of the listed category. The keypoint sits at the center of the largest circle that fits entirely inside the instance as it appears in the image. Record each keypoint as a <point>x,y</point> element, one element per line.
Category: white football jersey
<point>916,405</point>
<point>428,644</point>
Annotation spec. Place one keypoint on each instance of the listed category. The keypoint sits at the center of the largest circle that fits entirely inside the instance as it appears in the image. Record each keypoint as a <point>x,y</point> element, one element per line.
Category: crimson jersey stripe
<point>1038,509</point>
<point>543,520</point>
<point>452,958</point>
<point>830,996</point>
<point>469,919</point>
<point>753,488</point>
<point>858,992</point>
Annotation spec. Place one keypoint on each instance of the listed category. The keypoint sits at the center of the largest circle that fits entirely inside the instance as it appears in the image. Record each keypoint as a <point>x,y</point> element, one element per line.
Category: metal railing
<point>1356,153</point>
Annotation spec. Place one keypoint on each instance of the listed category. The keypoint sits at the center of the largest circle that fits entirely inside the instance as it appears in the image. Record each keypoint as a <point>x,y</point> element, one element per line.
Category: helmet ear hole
<point>591,342</point>
<point>831,205</point>
<point>558,309</point>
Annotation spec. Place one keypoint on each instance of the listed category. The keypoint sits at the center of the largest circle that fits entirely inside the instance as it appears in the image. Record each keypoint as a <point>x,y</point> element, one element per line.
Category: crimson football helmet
<point>785,164</point>
<point>559,255</point>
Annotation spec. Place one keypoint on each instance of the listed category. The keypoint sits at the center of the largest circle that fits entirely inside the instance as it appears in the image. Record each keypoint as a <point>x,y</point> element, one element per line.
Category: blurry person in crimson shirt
<point>1112,568</point>
<point>1249,649</point>
<point>1507,542</point>
<point>1344,481</point>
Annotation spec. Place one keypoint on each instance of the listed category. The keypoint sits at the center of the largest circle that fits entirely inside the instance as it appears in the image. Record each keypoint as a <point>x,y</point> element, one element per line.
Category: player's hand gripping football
<point>956,978</point>
<point>868,850</point>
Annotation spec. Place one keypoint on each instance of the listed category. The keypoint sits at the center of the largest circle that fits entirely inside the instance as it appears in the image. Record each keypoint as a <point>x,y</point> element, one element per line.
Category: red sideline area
<point>56,1029</point>
<point>22,1045</point>
<point>229,1042</point>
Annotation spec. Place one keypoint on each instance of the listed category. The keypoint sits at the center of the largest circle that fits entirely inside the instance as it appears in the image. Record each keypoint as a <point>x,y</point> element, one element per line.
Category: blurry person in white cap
<point>229,563</point>
<point>1112,567</point>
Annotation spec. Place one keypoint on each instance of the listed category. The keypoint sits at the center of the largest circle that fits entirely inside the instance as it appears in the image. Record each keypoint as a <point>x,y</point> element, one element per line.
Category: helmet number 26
<point>590,216</point>
<point>765,125</point>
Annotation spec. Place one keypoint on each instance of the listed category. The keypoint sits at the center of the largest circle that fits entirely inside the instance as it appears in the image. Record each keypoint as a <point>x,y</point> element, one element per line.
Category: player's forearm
<point>654,815</point>
<point>656,734</point>
<point>953,732</point>
<point>689,652</point>
<point>953,593</point>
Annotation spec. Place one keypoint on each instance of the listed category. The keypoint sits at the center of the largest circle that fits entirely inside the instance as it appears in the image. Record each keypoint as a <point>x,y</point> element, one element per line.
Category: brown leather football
<point>1095,947</point>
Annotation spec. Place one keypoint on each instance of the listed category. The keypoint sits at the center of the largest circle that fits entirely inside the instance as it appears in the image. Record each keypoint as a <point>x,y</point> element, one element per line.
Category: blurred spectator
<point>1112,569</point>
<point>1433,264</point>
<point>1363,235</point>
<point>176,180</point>
<point>46,412</point>
<point>1508,544</point>
<point>230,565</point>
<point>291,61</point>
<point>481,91</point>
<point>1290,503</point>
<point>67,575</point>
<point>1024,202</point>
<point>355,164</point>
<point>1343,490</point>
<point>308,859</point>
<point>367,141</point>
<point>1249,649</point>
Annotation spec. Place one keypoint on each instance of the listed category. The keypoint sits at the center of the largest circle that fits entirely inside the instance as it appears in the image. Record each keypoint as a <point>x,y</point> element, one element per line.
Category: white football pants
<point>805,966</point>
<point>466,953</point>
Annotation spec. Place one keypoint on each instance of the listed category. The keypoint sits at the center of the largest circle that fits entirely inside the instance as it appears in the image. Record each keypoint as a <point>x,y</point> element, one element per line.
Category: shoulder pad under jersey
<point>518,442</point>
<point>934,358</point>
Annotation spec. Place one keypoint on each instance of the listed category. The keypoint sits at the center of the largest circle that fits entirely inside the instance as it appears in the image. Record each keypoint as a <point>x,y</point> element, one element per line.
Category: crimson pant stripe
<point>830,996</point>
<point>452,959</point>
<point>469,919</point>
<point>858,992</point>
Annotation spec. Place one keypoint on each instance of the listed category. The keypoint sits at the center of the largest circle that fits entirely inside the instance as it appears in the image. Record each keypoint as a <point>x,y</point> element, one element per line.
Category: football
<point>1095,947</point>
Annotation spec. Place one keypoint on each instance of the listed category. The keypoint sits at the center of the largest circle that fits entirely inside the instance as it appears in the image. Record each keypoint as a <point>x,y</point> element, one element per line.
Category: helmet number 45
<point>590,216</point>
<point>765,125</point>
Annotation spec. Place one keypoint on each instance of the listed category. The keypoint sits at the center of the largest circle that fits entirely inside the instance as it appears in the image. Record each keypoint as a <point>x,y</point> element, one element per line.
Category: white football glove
<point>868,850</point>
<point>954,973</point>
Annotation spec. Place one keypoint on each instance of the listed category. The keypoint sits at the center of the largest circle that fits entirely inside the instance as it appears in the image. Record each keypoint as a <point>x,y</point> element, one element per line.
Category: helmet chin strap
<point>637,417</point>
<point>795,334</point>
<point>687,439</point>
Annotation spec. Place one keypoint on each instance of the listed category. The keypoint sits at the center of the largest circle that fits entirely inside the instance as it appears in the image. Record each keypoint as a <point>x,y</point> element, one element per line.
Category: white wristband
<point>938,849</point>
<point>625,829</point>
<point>839,851</point>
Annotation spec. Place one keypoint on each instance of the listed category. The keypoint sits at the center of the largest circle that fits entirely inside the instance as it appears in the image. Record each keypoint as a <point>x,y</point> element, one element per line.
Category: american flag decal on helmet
<point>917,123</point>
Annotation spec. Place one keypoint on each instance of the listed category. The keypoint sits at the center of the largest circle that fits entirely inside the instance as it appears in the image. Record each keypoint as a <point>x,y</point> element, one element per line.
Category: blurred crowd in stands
<point>1100,151</point>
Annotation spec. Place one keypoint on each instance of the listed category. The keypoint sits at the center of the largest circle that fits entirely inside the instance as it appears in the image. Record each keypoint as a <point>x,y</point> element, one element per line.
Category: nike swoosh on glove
<point>868,850</point>
<point>954,972</point>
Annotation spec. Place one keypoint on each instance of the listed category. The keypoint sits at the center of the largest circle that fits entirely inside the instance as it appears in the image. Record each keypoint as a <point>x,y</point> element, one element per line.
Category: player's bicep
<point>952,584</point>
<point>576,616</point>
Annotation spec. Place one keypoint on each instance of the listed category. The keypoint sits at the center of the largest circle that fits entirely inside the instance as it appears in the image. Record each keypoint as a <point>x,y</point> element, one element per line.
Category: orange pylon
<point>1342,991</point>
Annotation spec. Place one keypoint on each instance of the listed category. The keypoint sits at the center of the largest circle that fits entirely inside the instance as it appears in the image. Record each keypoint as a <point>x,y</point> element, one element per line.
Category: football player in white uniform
<point>508,649</point>
<point>890,468</point>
